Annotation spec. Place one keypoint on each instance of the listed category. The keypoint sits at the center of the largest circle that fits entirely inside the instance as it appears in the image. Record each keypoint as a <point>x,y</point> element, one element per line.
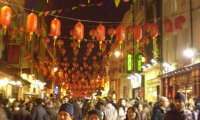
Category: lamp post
<point>117,55</point>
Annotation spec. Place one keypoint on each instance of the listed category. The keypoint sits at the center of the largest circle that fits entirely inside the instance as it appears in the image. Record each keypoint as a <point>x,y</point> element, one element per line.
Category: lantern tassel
<point>4,30</point>
<point>30,36</point>
<point>120,42</point>
<point>100,43</point>
<point>55,37</point>
<point>79,43</point>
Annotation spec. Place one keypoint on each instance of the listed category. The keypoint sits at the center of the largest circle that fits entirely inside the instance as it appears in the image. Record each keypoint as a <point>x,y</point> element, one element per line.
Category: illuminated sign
<point>139,63</point>
<point>130,62</point>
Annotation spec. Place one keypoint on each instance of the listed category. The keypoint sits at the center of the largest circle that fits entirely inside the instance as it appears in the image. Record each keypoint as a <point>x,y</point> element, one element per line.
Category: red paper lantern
<point>100,34</point>
<point>111,32</point>
<point>55,28</point>
<point>179,22</point>
<point>93,33</point>
<point>154,30</point>
<point>79,32</point>
<point>74,44</point>
<point>6,15</point>
<point>90,45</point>
<point>147,27</point>
<point>168,25</point>
<point>120,34</point>
<point>31,25</point>
<point>129,29</point>
<point>137,32</point>
<point>72,32</point>
<point>60,43</point>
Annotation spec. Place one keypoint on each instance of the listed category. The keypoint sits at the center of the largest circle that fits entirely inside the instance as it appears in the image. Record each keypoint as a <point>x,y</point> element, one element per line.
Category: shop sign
<point>139,62</point>
<point>130,62</point>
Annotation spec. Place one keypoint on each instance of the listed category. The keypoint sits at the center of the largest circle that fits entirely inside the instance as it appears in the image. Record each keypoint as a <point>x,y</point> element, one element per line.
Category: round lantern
<point>79,32</point>
<point>100,34</point>
<point>6,15</point>
<point>93,33</point>
<point>111,32</point>
<point>179,22</point>
<point>154,30</point>
<point>74,44</point>
<point>129,29</point>
<point>60,43</point>
<point>168,26</point>
<point>120,34</point>
<point>55,28</point>
<point>137,32</point>
<point>90,45</point>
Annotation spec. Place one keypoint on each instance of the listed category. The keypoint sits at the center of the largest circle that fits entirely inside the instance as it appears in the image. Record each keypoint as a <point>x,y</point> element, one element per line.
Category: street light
<point>189,53</point>
<point>117,54</point>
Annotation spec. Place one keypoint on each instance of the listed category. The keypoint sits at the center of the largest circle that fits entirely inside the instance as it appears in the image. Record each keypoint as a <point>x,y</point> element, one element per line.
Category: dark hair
<point>95,112</point>
<point>39,101</point>
<point>134,110</point>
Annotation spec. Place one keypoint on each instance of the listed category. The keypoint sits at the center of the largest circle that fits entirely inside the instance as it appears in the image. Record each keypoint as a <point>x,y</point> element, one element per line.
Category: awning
<point>12,73</point>
<point>182,70</point>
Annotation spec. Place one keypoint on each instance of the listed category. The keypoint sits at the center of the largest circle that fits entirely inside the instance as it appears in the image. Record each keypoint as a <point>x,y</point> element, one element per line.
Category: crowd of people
<point>68,108</point>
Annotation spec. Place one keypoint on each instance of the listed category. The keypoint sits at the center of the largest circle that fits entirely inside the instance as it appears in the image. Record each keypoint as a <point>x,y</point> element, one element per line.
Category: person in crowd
<point>65,99</point>
<point>142,115</point>
<point>15,106</point>
<point>3,115</point>
<point>132,114</point>
<point>39,113</point>
<point>122,109</point>
<point>29,106</point>
<point>190,106</point>
<point>148,110</point>
<point>100,106</point>
<point>95,115</point>
<point>66,112</point>
<point>110,111</point>
<point>179,113</point>
<point>6,108</point>
<point>131,102</point>
<point>21,114</point>
<point>160,109</point>
<point>77,110</point>
<point>51,111</point>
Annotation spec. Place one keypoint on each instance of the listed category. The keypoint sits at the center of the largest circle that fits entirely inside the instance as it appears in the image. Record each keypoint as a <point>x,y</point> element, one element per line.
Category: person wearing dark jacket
<point>5,103</point>
<point>21,114</point>
<point>51,111</point>
<point>179,113</point>
<point>159,110</point>
<point>39,113</point>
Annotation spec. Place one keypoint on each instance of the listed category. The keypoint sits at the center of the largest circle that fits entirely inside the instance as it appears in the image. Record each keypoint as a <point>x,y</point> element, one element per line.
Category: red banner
<point>13,54</point>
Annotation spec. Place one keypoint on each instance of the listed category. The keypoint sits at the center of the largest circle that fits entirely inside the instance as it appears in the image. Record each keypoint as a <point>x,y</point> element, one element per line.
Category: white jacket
<point>110,112</point>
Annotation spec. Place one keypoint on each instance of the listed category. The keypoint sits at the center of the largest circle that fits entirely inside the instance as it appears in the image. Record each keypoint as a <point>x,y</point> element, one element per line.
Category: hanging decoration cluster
<point>178,24</point>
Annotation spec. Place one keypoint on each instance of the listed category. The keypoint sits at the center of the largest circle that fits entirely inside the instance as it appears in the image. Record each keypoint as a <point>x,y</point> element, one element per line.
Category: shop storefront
<point>185,80</point>
<point>152,83</point>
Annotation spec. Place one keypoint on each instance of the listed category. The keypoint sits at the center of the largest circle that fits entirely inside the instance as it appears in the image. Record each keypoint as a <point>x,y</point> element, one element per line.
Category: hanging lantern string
<point>57,16</point>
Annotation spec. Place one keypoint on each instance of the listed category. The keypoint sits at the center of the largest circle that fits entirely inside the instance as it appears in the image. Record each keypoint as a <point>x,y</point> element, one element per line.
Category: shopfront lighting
<point>153,61</point>
<point>189,53</point>
<point>166,65</point>
<point>19,83</point>
<point>148,65</point>
<point>117,54</point>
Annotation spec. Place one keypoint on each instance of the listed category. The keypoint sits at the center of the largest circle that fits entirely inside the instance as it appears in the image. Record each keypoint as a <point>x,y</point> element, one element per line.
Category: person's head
<point>131,113</point>
<point>163,102</point>
<point>179,101</point>
<point>38,101</point>
<point>49,104</point>
<point>139,106</point>
<point>65,99</point>
<point>66,112</point>
<point>122,102</point>
<point>95,115</point>
<point>5,102</point>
